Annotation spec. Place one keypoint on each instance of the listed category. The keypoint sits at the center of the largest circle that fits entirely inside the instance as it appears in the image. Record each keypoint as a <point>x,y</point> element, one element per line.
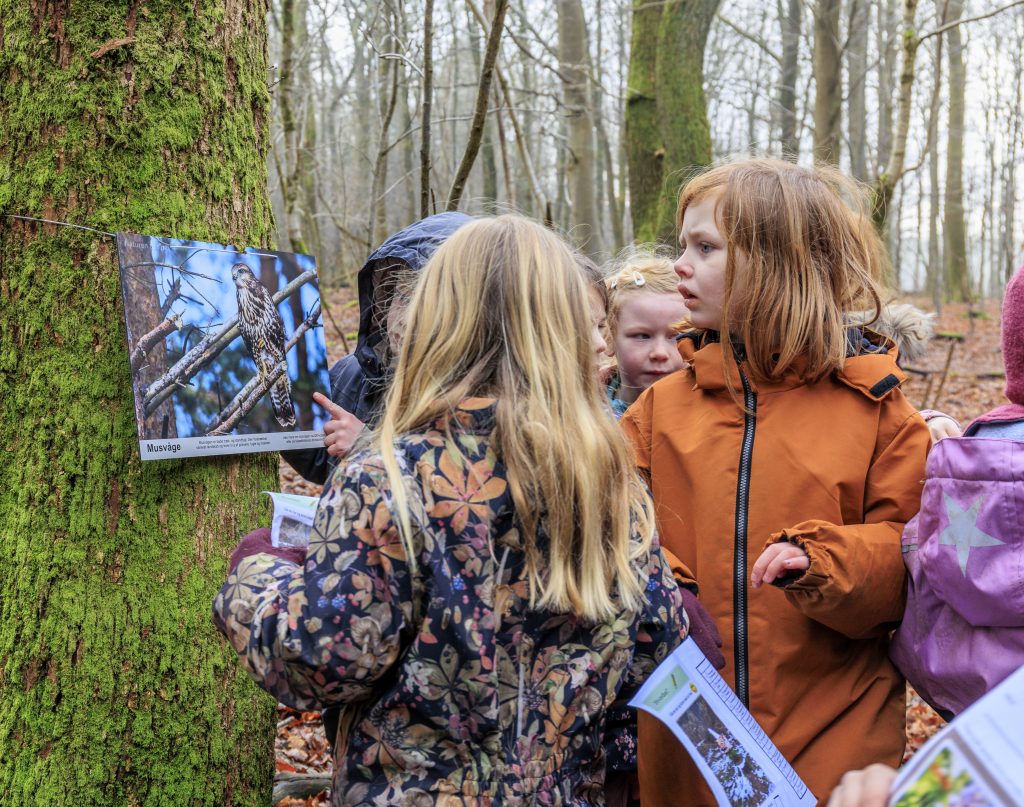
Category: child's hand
<point>341,431</point>
<point>866,788</point>
<point>778,560</point>
<point>943,426</point>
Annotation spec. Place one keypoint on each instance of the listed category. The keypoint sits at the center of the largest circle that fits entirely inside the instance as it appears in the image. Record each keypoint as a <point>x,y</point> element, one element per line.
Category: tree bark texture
<point>954,230</point>
<point>828,74</point>
<point>790,140</point>
<point>573,60</point>
<point>892,172</point>
<point>682,106</point>
<point>115,687</point>
<point>857,72</point>
<point>426,104</point>
<point>642,136</point>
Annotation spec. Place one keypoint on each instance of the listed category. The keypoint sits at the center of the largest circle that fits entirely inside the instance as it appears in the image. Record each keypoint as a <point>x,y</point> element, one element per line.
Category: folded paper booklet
<point>742,766</point>
<point>976,760</point>
<point>293,519</point>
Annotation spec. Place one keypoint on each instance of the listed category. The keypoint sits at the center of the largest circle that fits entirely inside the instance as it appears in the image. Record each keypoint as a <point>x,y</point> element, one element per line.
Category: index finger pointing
<point>333,408</point>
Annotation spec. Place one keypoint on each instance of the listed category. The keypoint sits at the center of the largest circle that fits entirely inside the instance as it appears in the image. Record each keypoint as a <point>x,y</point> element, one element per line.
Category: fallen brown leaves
<point>974,384</point>
<point>301,748</point>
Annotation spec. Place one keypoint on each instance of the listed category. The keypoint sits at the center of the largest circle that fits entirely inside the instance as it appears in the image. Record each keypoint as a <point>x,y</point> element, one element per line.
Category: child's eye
<point>705,248</point>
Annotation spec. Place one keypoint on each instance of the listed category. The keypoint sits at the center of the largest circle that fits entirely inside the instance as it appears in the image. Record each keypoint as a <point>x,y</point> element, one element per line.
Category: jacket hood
<point>413,247</point>
<point>872,371</point>
<point>905,325</point>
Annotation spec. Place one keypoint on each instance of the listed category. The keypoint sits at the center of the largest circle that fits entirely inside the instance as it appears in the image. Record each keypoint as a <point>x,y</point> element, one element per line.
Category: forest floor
<point>973,384</point>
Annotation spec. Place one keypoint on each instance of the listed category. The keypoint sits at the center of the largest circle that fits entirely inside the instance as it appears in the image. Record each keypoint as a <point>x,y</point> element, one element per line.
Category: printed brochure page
<point>293,519</point>
<point>740,763</point>
<point>977,760</point>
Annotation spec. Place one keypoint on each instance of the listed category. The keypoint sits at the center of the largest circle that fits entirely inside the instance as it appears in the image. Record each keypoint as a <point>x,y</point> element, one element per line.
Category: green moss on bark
<point>114,686</point>
<point>644,148</point>
<point>682,106</point>
<point>667,130</point>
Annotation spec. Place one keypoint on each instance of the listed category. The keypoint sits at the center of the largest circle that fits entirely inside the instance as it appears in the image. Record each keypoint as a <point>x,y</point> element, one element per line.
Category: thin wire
<point>60,223</point>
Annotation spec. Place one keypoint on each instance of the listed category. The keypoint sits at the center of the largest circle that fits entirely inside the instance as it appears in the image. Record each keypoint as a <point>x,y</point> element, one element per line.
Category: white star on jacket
<point>962,531</point>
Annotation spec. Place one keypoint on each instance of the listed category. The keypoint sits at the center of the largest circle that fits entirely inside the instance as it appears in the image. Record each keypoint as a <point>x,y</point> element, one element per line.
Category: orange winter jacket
<point>836,467</point>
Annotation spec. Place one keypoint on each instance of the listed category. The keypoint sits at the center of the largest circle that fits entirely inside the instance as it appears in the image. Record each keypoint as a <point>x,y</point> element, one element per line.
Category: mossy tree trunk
<point>114,686</point>
<point>644,148</point>
<point>682,106</point>
<point>669,139</point>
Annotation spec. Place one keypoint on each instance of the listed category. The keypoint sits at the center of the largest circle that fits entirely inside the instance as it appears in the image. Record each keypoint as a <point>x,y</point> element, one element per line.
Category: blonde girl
<point>785,454</point>
<point>644,313</point>
<point>481,586</point>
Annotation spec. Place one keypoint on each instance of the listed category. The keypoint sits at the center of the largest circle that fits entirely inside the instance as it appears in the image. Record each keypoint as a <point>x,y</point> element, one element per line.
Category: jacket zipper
<point>739,594</point>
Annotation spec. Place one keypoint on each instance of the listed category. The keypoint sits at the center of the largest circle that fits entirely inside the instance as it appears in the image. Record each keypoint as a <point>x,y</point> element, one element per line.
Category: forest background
<point>321,126</point>
<point>595,111</point>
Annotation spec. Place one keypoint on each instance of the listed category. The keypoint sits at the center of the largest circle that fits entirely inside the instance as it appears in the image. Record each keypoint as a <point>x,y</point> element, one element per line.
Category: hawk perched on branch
<point>262,331</point>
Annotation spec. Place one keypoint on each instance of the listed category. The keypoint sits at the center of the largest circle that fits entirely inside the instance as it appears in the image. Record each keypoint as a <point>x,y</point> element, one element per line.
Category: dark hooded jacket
<point>359,380</point>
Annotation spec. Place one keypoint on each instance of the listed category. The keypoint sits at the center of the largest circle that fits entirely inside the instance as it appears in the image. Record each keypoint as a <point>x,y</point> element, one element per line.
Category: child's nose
<point>659,350</point>
<point>682,267</point>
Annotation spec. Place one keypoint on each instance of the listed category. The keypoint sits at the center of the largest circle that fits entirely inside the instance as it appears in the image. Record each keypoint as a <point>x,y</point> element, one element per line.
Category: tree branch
<point>150,340</point>
<point>480,115</point>
<point>761,43</point>
<point>943,28</point>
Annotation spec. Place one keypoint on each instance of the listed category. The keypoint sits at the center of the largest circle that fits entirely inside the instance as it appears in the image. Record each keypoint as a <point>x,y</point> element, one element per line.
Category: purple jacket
<point>963,631</point>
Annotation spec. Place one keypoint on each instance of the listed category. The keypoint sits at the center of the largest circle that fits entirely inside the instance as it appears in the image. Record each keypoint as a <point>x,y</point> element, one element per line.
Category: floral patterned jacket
<point>456,691</point>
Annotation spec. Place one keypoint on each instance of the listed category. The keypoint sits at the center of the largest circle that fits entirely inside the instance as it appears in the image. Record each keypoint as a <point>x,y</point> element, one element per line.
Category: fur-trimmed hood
<point>909,327</point>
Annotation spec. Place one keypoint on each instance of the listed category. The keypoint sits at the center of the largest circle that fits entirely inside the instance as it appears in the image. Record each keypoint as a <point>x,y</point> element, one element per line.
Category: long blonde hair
<point>501,311</point>
<point>812,257</point>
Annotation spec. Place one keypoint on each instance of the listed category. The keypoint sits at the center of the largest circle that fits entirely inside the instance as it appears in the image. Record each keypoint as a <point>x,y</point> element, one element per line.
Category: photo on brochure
<point>226,347</point>
<point>948,781</point>
<point>745,782</point>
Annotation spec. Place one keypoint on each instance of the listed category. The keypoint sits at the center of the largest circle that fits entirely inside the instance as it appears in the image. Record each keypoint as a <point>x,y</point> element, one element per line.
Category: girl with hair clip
<point>785,454</point>
<point>644,311</point>
<point>481,585</point>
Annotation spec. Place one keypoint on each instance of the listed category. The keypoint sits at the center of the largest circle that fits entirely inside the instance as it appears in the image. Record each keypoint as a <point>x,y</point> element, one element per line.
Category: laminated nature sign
<point>226,347</point>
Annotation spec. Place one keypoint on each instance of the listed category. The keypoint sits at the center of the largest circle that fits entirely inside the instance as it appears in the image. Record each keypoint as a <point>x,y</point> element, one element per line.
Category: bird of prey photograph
<point>226,347</point>
<point>262,331</point>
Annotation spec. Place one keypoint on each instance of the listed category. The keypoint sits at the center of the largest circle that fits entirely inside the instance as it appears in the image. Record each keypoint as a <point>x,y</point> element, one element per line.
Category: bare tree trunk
<point>888,54</point>
<point>936,285</point>
<point>885,184</point>
<point>1007,242</point>
<point>480,113</point>
<point>856,71</point>
<point>958,283</point>
<point>377,224</point>
<point>488,165</point>
<point>310,229</point>
<point>787,81</point>
<point>573,59</point>
<point>827,80</point>
<point>428,100</point>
